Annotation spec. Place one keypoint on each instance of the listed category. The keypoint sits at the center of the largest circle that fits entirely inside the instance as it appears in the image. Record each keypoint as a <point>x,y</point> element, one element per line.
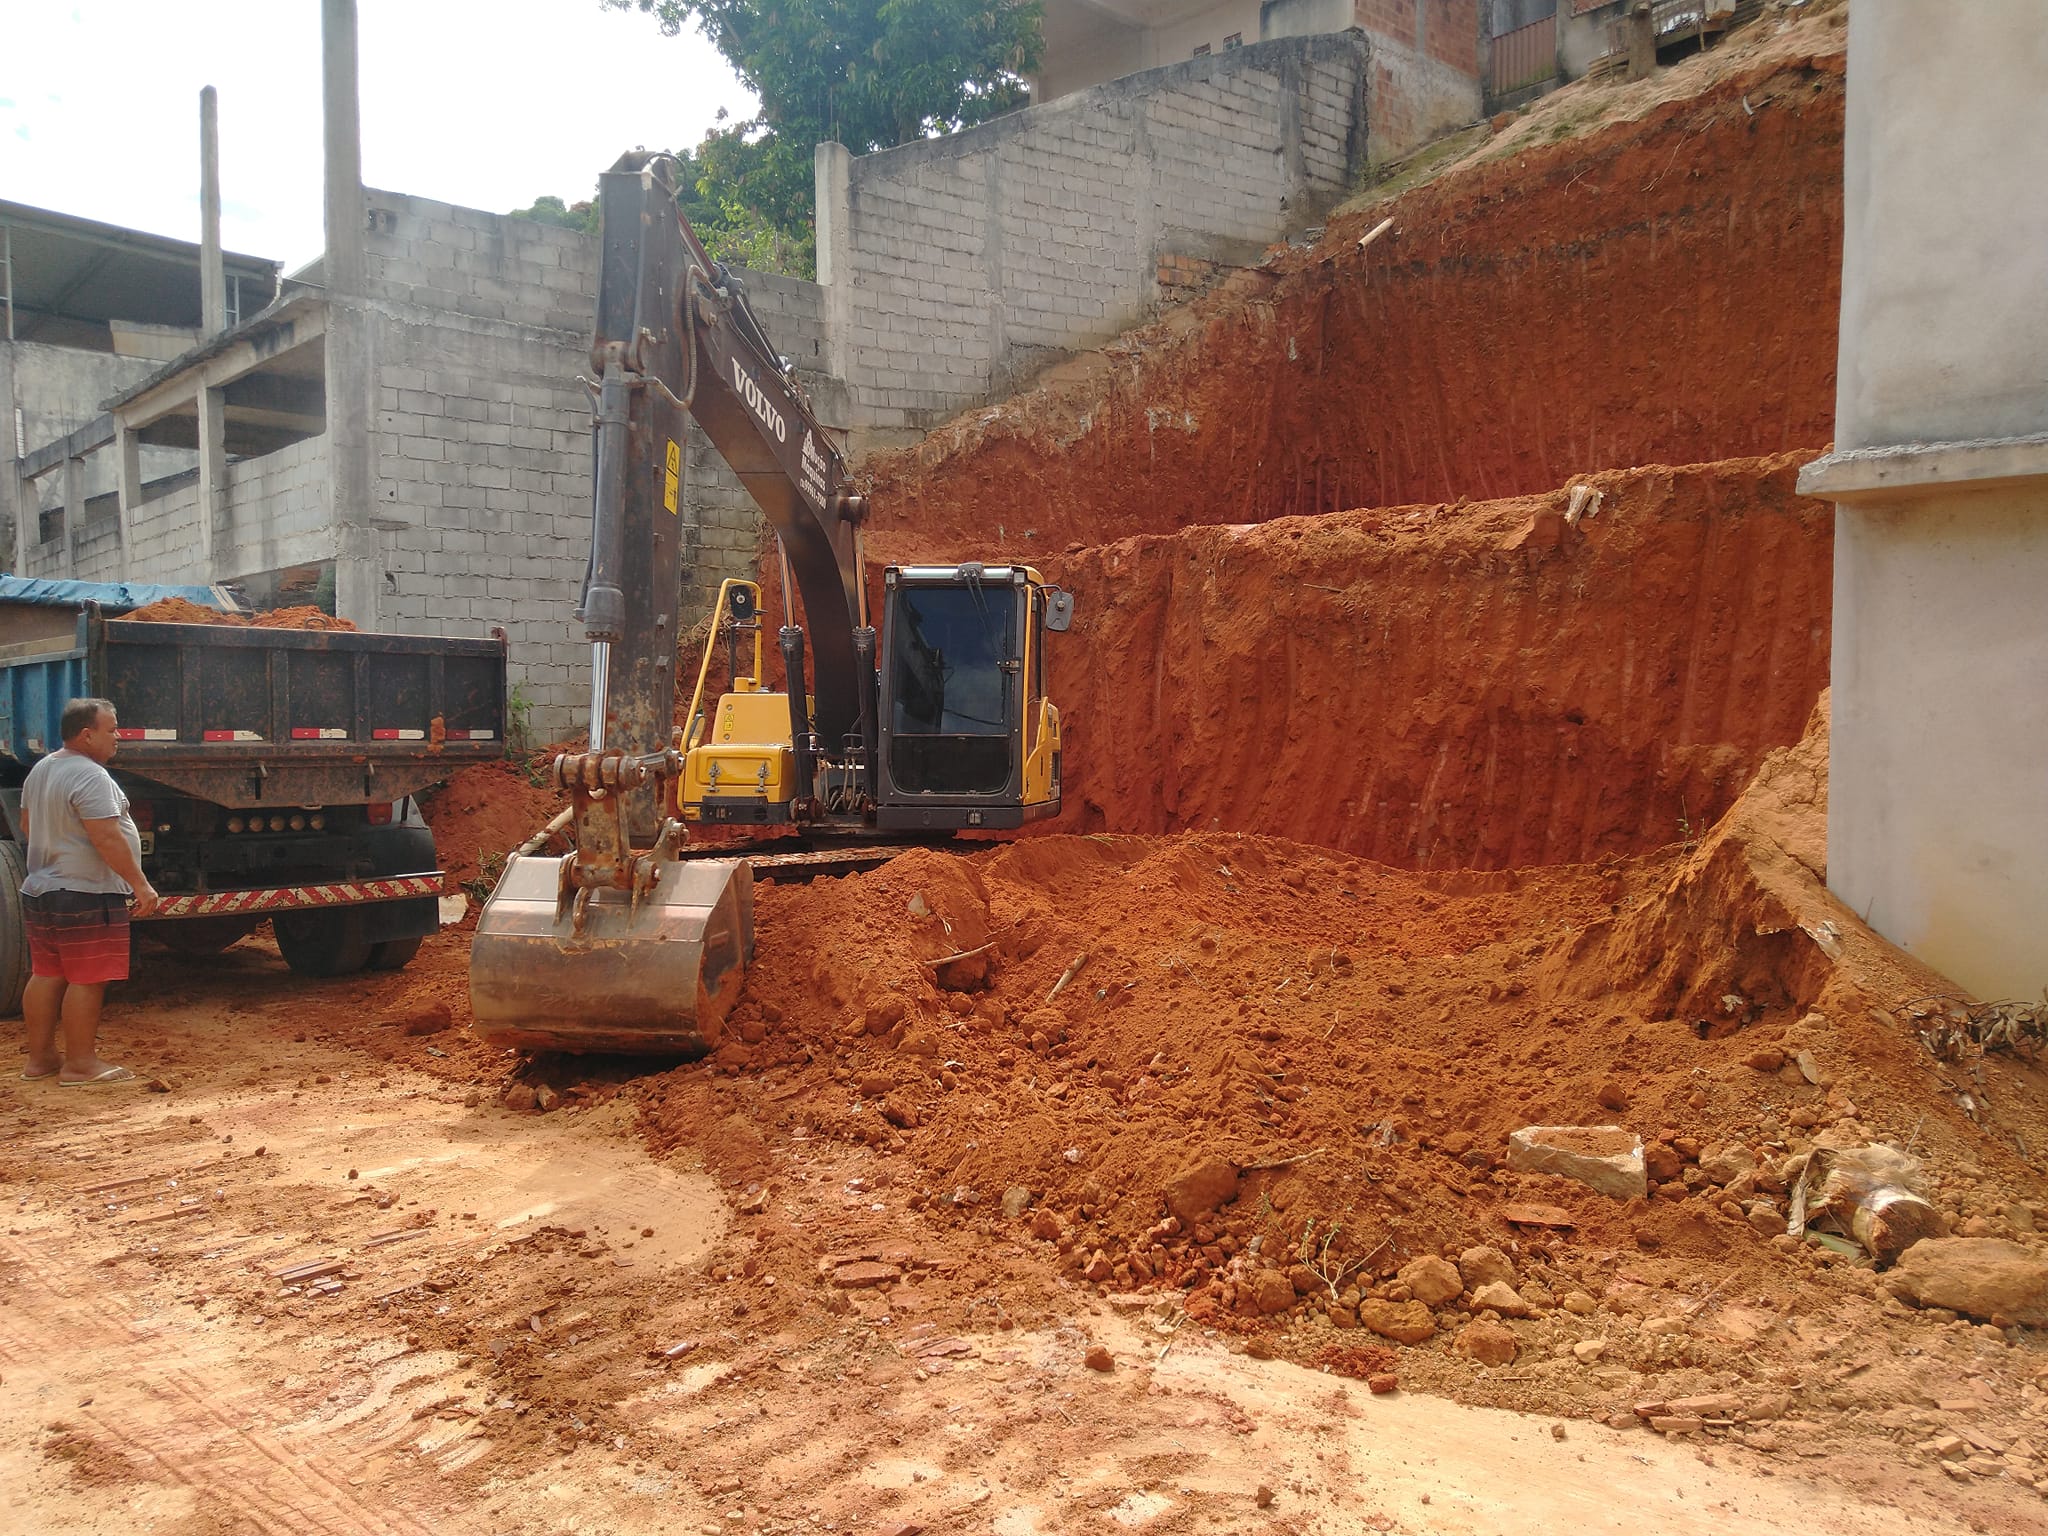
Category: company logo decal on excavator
<point>814,471</point>
<point>759,403</point>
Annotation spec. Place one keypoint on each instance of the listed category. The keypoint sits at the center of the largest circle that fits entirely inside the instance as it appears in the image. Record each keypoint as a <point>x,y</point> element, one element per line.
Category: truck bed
<point>256,717</point>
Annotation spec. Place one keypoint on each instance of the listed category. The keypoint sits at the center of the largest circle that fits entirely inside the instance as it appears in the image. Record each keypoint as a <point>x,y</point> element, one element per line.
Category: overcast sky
<point>487,103</point>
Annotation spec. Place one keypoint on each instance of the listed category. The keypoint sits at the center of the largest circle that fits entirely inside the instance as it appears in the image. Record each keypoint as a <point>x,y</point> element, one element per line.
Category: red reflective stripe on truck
<point>339,893</point>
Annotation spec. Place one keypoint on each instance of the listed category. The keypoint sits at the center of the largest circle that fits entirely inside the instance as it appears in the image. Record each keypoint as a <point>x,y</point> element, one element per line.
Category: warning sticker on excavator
<point>671,483</point>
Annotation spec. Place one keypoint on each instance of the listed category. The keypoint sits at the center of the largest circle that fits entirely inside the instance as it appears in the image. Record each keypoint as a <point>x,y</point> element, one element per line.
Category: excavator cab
<point>968,737</point>
<point>954,728</point>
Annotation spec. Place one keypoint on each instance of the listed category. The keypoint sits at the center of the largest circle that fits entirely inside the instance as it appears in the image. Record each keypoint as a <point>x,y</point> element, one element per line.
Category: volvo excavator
<point>933,721</point>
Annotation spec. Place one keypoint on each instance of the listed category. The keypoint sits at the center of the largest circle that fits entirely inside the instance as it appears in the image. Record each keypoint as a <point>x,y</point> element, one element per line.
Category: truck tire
<point>13,931</point>
<point>394,954</point>
<point>321,944</point>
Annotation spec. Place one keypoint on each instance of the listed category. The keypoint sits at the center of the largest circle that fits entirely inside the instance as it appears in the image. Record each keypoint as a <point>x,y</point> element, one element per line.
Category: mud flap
<point>660,979</point>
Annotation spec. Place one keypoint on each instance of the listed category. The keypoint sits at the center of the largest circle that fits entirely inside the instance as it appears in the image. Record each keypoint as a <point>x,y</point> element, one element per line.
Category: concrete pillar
<point>351,383</point>
<point>213,478</point>
<point>832,186</point>
<point>74,513</point>
<point>1639,27</point>
<point>128,471</point>
<point>212,276</point>
<point>1938,797</point>
<point>13,494</point>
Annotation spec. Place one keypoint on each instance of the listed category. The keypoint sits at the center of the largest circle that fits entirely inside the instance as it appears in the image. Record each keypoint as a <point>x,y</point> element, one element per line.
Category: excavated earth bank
<point>1662,292</point>
<point>1484,685</point>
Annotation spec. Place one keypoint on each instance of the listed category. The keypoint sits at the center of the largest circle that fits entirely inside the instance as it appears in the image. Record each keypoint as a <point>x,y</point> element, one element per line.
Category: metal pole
<point>211,286</point>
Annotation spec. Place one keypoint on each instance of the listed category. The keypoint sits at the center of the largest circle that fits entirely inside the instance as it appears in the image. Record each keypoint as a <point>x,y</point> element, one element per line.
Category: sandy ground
<point>534,1326</point>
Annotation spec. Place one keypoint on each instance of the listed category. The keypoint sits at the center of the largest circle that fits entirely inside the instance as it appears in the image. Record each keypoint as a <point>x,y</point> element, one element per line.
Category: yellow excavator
<point>932,722</point>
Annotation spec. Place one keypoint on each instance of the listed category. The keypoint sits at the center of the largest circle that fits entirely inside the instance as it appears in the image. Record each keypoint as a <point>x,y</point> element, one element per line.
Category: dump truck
<point>270,772</point>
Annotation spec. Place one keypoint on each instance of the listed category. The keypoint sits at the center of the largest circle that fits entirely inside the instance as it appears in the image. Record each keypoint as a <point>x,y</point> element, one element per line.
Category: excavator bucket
<point>658,979</point>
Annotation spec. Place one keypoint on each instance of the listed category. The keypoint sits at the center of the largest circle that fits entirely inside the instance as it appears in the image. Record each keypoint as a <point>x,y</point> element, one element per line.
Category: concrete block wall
<point>61,389</point>
<point>955,267</point>
<point>479,437</point>
<point>277,513</point>
<point>480,325</point>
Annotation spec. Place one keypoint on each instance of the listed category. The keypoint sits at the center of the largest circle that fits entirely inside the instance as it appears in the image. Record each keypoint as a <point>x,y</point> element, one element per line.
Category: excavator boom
<point>623,943</point>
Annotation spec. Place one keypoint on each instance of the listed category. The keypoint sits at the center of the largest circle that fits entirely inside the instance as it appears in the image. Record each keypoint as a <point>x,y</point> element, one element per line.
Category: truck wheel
<point>322,943</point>
<point>13,931</point>
<point>393,954</point>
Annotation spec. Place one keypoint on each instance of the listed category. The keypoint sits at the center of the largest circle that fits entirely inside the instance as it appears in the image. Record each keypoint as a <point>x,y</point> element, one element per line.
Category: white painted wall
<point>1938,778</point>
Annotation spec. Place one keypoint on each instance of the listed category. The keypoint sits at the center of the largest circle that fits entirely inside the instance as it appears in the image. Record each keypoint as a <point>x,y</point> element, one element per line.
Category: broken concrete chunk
<point>1603,1157</point>
<point>1983,1277</point>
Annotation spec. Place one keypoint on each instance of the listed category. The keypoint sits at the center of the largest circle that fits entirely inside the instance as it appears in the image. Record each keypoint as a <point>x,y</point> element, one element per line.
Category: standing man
<point>84,864</point>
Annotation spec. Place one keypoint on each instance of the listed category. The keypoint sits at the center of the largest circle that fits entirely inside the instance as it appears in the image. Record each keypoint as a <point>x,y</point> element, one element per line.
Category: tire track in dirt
<point>145,1389</point>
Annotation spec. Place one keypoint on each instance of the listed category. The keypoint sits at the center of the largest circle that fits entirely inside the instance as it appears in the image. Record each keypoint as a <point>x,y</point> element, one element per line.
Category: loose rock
<point>1405,1322</point>
<point>1488,1344</point>
<point>1431,1280</point>
<point>1981,1277</point>
<point>1603,1157</point>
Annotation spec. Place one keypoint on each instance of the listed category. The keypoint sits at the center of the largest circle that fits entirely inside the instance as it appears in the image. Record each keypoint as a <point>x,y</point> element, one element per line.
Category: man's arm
<point>105,832</point>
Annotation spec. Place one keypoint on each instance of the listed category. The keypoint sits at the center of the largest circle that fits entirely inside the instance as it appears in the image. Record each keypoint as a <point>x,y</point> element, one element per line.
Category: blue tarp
<point>112,596</point>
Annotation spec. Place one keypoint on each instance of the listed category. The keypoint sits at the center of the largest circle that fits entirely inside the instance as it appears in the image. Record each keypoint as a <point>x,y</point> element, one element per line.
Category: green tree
<point>552,210</point>
<point>867,73</point>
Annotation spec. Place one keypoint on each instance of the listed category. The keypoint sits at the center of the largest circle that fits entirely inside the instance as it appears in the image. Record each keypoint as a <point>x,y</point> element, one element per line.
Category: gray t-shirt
<point>63,791</point>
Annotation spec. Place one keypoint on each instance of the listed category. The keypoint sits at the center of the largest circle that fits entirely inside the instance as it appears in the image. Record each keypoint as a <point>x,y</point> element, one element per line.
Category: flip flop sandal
<point>111,1075</point>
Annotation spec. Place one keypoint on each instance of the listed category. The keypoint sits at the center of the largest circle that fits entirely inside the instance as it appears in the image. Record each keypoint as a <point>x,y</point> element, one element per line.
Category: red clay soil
<point>1662,291</point>
<point>299,618</point>
<point>481,814</point>
<point>177,610</point>
<point>1354,1043</point>
<point>1481,685</point>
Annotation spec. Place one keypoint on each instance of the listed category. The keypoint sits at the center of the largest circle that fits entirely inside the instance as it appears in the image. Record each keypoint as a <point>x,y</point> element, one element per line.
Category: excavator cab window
<point>952,709</point>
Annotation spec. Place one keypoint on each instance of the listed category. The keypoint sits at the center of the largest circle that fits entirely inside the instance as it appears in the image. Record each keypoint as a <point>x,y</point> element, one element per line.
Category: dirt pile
<point>1661,291</point>
<point>480,815</point>
<point>178,610</point>
<point>1278,1082</point>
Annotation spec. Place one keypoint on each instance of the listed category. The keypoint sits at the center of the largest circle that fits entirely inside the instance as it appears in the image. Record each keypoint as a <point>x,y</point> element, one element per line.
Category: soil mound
<point>1273,1077</point>
<point>481,814</point>
<point>299,618</point>
<point>178,610</point>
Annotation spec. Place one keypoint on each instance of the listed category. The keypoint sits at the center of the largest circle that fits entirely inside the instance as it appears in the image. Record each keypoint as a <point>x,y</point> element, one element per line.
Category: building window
<point>1235,40</point>
<point>1201,50</point>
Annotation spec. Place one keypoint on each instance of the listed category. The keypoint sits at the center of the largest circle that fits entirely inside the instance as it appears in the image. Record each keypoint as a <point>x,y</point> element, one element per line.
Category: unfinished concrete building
<point>402,425</point>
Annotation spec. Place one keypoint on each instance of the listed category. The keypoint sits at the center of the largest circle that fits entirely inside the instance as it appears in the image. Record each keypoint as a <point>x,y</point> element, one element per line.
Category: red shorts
<point>81,936</point>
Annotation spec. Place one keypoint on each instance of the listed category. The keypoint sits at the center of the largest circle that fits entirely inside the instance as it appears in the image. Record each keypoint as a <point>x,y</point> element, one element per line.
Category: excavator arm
<point>693,341</point>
